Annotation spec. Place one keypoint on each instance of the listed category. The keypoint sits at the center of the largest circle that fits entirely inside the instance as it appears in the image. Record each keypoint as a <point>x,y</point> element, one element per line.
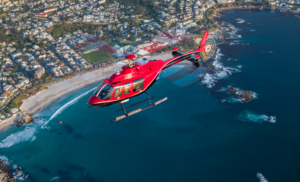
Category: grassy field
<point>129,42</point>
<point>97,56</point>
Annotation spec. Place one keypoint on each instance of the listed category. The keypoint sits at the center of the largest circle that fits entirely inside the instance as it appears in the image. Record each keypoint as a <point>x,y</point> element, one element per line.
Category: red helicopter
<point>136,77</point>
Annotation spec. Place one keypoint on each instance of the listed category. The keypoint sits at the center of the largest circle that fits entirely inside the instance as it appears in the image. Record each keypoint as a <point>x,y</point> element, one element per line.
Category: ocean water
<point>200,133</point>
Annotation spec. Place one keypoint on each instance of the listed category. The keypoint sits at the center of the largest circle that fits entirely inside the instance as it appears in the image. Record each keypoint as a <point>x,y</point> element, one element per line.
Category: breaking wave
<point>27,134</point>
<point>221,71</point>
<point>249,116</point>
<point>67,105</point>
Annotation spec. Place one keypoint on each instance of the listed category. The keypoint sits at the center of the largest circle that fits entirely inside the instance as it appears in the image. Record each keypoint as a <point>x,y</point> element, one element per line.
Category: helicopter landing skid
<point>137,110</point>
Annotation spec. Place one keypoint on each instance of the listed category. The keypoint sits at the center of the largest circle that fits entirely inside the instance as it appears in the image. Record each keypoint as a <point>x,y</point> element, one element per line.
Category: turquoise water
<point>199,134</point>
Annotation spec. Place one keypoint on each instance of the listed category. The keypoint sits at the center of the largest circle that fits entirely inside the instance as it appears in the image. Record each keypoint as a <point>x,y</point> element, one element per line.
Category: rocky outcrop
<point>22,118</point>
<point>6,174</point>
<point>9,173</point>
<point>241,94</point>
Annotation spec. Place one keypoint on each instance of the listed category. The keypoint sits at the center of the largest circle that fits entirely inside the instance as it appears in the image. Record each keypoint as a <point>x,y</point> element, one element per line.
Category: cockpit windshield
<point>99,86</point>
<point>106,92</point>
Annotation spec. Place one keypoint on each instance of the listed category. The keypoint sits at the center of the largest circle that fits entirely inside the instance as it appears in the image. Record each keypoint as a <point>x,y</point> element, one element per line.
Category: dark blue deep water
<point>198,134</point>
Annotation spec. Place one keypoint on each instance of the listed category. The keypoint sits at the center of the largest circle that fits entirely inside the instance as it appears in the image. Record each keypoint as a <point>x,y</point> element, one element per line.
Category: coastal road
<point>14,98</point>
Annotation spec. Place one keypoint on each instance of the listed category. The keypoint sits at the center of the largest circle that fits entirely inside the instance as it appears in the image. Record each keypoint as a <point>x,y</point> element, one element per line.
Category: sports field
<point>98,56</point>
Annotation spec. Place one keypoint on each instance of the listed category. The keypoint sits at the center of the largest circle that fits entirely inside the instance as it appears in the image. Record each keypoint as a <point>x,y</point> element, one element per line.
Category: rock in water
<point>22,118</point>
<point>241,94</point>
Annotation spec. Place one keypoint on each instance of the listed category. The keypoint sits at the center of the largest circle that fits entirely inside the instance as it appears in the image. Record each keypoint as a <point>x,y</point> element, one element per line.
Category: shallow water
<point>198,134</point>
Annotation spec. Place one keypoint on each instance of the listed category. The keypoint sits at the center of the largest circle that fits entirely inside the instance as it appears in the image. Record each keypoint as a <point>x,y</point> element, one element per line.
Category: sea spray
<point>54,178</point>
<point>211,78</point>
<point>3,158</point>
<point>249,116</point>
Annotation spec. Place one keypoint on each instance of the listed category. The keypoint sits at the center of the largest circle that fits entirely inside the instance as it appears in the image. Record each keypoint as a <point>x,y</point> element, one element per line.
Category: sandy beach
<point>7,122</point>
<point>35,103</point>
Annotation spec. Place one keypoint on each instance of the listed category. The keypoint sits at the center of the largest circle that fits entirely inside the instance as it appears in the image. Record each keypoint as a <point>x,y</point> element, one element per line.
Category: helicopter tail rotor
<point>207,47</point>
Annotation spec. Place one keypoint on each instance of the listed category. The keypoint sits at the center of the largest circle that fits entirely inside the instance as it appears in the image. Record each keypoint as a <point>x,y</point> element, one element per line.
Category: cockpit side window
<point>127,87</point>
<point>118,91</point>
<point>99,86</point>
<point>138,84</point>
<point>106,92</point>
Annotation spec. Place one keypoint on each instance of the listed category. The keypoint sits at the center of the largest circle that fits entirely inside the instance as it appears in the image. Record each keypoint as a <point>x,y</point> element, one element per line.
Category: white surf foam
<point>255,95</point>
<point>67,105</point>
<point>211,78</point>
<point>218,54</point>
<point>233,100</point>
<point>253,117</point>
<point>54,178</point>
<point>3,158</point>
<point>27,134</point>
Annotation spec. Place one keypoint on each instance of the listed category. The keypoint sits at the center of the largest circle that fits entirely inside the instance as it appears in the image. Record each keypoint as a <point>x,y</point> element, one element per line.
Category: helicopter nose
<point>93,100</point>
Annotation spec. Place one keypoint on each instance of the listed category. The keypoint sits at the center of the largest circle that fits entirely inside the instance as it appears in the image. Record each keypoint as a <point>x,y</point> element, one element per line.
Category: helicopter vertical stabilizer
<point>203,41</point>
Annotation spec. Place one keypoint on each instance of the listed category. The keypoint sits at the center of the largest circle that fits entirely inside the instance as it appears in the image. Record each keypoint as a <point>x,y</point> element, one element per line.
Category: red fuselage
<point>132,81</point>
<point>137,78</point>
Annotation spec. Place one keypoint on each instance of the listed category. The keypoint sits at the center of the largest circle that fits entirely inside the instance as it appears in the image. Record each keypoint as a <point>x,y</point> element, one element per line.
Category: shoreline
<point>36,103</point>
<point>249,6</point>
<point>7,122</point>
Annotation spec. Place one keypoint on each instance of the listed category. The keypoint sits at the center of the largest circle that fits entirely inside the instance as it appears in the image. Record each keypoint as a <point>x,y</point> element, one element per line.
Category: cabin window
<point>138,84</point>
<point>99,86</point>
<point>106,92</point>
<point>118,91</point>
<point>127,87</point>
